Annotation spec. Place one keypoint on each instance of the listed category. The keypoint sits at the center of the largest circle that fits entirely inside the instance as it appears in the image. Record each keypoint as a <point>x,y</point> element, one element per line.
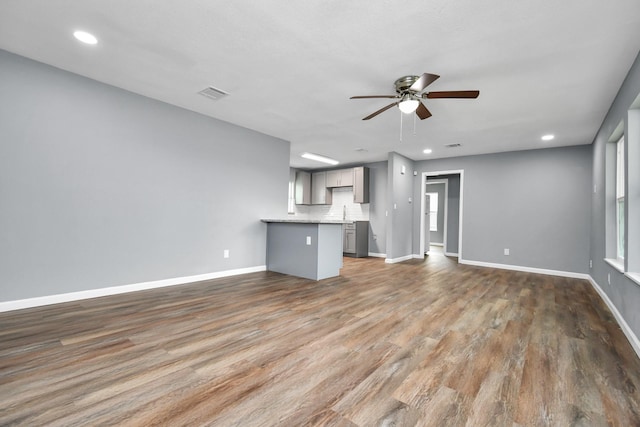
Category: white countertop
<point>309,221</point>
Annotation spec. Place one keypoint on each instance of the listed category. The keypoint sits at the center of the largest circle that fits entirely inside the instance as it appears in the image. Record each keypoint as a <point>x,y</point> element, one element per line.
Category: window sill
<point>634,277</point>
<point>615,264</point>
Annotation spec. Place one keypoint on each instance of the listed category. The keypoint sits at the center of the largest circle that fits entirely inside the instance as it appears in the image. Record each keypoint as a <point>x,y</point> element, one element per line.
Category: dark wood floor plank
<point>423,342</point>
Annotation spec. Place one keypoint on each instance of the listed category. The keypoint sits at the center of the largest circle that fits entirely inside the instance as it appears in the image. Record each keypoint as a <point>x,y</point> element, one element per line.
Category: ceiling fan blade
<point>425,80</point>
<point>452,94</point>
<point>423,112</point>
<point>374,96</point>
<point>382,110</point>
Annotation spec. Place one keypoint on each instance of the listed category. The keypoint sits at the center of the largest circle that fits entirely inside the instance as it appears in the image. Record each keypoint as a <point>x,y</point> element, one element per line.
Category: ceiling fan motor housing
<point>404,83</point>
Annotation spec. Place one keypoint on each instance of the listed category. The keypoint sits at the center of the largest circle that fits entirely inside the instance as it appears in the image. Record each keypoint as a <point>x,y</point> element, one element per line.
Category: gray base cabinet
<point>355,240</point>
<point>309,250</point>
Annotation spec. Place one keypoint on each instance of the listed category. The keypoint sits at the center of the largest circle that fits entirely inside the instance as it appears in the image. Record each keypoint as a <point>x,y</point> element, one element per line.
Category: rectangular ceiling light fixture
<point>319,158</point>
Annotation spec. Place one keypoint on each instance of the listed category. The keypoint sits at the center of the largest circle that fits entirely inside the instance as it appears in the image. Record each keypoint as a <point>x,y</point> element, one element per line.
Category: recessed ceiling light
<point>427,151</point>
<point>548,137</point>
<point>85,37</point>
<point>319,158</point>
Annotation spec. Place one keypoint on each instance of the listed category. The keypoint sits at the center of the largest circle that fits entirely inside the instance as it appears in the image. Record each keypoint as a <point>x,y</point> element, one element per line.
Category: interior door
<point>427,223</point>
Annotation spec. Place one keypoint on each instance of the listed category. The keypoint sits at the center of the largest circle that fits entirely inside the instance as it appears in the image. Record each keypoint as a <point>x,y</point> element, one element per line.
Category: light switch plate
<point>309,240</point>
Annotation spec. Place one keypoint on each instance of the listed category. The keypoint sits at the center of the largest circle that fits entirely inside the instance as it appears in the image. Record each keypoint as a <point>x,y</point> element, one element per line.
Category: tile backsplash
<point>342,200</point>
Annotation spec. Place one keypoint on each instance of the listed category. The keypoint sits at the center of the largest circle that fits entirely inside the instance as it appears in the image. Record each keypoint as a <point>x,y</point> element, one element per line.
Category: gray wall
<point>536,203</point>
<point>400,234</point>
<point>624,293</point>
<point>377,207</point>
<point>101,187</point>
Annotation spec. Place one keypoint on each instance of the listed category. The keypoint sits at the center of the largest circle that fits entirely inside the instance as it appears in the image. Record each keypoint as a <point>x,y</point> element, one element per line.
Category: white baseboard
<point>377,255</point>
<point>451,254</point>
<point>435,244</point>
<point>399,259</point>
<point>633,339</point>
<point>526,269</point>
<point>114,290</point>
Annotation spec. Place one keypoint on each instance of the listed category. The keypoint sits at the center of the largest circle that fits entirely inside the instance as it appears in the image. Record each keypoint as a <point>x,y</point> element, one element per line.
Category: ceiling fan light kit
<point>409,92</point>
<point>408,104</point>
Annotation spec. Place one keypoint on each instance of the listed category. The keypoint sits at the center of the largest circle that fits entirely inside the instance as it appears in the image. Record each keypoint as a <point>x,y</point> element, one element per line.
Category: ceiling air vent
<point>453,145</point>
<point>213,93</point>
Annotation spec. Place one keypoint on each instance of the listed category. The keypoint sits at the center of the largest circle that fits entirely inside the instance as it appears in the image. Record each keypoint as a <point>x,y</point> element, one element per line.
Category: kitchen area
<point>328,219</point>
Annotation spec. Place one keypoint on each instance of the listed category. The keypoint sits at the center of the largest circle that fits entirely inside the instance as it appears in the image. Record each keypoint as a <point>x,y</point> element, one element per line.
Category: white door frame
<point>444,181</point>
<point>423,188</point>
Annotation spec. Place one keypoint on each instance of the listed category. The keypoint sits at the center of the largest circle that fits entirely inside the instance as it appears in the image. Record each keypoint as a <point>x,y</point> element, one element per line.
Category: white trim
<point>423,211</point>
<point>418,256</point>
<point>633,339</point>
<point>615,263</point>
<point>526,269</point>
<point>114,290</point>
<point>423,188</point>
<point>377,255</point>
<point>460,211</point>
<point>451,254</point>
<point>399,259</point>
<point>635,277</point>
<point>436,244</point>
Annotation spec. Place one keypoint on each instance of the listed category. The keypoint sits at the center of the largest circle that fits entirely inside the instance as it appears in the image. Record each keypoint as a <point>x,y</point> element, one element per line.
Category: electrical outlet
<point>590,263</point>
<point>226,253</point>
<point>506,251</point>
<point>609,278</point>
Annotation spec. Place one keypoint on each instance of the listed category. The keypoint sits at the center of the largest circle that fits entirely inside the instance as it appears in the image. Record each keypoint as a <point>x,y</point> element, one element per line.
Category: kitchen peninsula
<point>306,248</point>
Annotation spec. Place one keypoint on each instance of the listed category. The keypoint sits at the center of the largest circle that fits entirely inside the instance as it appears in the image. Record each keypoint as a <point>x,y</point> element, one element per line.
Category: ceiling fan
<point>409,93</point>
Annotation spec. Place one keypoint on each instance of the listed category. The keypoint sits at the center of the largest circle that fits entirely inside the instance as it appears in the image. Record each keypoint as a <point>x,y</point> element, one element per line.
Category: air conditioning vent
<point>453,145</point>
<point>213,93</point>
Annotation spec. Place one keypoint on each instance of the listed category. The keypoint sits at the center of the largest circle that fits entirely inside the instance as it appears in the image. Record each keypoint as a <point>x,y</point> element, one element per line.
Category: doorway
<point>453,212</point>
<point>436,225</point>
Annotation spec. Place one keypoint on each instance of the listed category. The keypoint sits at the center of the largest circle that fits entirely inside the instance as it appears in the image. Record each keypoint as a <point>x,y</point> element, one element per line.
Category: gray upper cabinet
<point>361,185</point>
<point>340,178</point>
<point>303,188</point>
<point>320,194</point>
<point>315,188</point>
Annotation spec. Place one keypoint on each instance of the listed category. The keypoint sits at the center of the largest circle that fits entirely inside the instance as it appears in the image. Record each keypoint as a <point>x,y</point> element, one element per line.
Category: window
<point>620,220</point>
<point>433,211</point>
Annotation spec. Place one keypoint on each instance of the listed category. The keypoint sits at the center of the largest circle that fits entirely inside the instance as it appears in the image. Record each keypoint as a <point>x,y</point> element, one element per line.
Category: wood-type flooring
<point>418,343</point>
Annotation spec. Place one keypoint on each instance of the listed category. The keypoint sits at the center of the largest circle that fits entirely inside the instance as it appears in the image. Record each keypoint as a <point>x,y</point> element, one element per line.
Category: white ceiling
<point>290,67</point>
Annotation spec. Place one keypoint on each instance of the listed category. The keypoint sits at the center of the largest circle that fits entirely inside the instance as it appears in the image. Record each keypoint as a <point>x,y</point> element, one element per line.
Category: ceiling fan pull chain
<point>400,125</point>
<point>414,125</point>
